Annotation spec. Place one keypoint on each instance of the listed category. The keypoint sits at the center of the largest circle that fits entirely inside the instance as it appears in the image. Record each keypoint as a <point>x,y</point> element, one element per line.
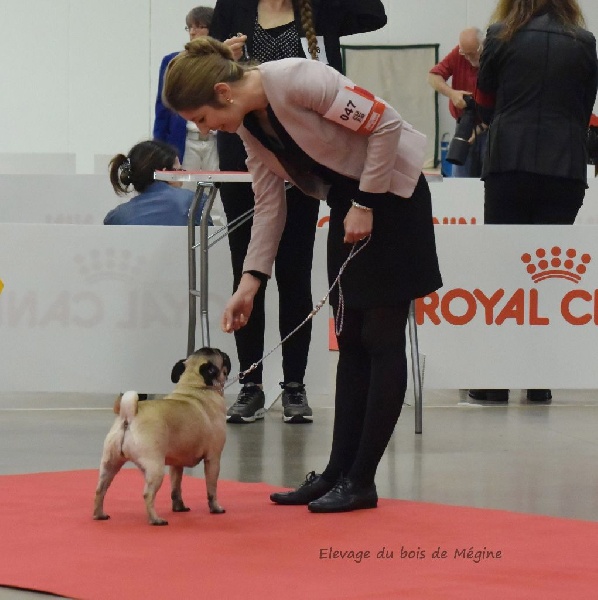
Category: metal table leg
<point>202,292</point>
<point>205,243</point>
<point>415,367</point>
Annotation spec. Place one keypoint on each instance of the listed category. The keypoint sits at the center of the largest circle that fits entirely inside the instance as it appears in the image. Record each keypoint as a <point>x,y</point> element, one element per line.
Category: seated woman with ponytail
<point>157,202</point>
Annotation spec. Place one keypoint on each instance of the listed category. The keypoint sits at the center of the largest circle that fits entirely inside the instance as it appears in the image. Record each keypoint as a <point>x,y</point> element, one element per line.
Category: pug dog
<point>179,430</point>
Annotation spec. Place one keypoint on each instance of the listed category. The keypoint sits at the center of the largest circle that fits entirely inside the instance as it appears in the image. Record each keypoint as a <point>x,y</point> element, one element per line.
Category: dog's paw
<point>158,522</point>
<point>180,507</point>
<point>101,517</point>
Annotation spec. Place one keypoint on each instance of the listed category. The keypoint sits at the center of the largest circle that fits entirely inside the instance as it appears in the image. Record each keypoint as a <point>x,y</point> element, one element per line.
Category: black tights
<point>292,268</point>
<point>371,380</point>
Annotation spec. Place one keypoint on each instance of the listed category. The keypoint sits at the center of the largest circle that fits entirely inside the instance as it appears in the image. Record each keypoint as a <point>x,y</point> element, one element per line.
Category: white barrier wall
<point>72,199</point>
<point>104,309</point>
<point>85,200</point>
<point>518,309</point>
<point>101,308</point>
<point>39,163</point>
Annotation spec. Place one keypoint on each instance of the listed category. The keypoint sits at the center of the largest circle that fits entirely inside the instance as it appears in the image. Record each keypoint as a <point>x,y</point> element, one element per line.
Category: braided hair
<point>307,22</point>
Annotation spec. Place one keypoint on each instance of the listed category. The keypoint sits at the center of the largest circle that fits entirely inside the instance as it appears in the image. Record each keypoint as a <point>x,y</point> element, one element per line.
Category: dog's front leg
<point>211,466</point>
<point>176,493</point>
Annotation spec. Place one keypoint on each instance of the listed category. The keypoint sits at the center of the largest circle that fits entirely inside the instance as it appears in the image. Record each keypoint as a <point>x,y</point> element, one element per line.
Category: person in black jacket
<point>265,30</point>
<point>537,81</point>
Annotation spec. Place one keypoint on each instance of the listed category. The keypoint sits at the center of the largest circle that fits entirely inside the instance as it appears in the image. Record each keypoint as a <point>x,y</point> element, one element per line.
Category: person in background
<point>302,121</point>
<point>196,151</point>
<point>157,202</point>
<point>537,84</point>
<point>267,30</point>
<point>461,66</point>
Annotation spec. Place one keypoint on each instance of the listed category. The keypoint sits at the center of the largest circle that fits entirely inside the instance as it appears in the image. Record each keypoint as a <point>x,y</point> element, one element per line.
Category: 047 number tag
<point>357,109</point>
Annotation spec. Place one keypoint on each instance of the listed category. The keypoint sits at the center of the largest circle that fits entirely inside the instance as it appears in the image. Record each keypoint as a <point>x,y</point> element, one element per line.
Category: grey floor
<point>532,458</point>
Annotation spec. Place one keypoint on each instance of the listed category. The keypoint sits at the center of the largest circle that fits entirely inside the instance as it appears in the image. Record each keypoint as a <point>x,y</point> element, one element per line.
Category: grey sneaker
<point>249,405</point>
<point>295,408</point>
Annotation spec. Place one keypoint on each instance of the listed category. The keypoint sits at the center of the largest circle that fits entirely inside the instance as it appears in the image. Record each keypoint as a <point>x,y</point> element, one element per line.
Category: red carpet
<point>256,550</point>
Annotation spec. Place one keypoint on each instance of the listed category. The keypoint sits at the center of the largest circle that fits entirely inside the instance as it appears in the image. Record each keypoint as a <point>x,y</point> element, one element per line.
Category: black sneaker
<point>249,405</point>
<point>539,395</point>
<point>489,395</point>
<point>295,408</point>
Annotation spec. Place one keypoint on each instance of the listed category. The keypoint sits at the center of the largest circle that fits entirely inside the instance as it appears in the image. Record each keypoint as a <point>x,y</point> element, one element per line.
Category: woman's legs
<point>293,276</point>
<point>370,390</point>
<point>384,338</point>
<point>237,198</point>
<point>352,383</point>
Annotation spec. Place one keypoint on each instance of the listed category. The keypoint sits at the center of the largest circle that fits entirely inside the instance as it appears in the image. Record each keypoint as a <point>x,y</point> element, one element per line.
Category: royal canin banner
<point>518,308</point>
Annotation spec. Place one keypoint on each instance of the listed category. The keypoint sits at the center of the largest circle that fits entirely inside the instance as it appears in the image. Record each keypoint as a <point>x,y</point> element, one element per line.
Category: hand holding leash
<point>237,44</point>
<point>358,223</point>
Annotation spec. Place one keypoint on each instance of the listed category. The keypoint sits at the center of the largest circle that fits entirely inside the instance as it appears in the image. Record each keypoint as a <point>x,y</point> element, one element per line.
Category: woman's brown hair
<point>191,76</point>
<point>515,14</point>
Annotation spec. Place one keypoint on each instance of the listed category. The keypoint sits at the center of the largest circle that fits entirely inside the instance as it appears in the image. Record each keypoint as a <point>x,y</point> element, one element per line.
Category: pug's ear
<point>209,371</point>
<point>177,371</point>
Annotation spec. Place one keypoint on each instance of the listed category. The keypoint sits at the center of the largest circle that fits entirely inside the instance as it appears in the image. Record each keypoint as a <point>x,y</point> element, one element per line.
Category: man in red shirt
<point>461,66</point>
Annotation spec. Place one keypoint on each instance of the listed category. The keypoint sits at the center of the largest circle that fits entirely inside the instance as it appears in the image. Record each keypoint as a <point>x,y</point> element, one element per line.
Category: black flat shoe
<point>539,395</point>
<point>344,497</point>
<point>311,489</point>
<point>490,395</point>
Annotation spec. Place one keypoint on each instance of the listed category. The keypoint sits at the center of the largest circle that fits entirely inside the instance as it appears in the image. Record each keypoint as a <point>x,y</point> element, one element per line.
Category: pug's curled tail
<point>128,406</point>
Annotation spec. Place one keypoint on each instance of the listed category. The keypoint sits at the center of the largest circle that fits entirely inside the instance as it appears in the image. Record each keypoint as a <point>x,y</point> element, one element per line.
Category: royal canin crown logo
<point>556,264</point>
<point>460,306</point>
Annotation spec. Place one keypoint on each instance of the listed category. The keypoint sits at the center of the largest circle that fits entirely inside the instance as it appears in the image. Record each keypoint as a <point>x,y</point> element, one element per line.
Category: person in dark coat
<point>537,84</point>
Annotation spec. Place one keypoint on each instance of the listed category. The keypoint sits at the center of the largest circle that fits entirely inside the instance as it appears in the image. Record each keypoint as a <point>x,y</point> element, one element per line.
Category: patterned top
<point>276,43</point>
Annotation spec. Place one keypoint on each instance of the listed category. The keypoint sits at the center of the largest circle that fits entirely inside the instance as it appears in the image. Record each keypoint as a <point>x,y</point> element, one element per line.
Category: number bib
<point>357,109</point>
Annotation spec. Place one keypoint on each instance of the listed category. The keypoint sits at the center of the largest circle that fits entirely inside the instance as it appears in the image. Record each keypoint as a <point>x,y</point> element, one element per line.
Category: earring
<point>230,100</point>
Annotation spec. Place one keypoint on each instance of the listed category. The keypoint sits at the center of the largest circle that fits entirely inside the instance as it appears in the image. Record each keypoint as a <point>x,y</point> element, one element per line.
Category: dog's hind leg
<point>176,493</point>
<point>108,470</point>
<point>154,474</point>
<point>211,466</point>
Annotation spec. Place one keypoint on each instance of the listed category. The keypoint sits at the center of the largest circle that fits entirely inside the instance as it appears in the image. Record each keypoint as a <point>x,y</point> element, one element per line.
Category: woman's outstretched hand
<point>238,309</point>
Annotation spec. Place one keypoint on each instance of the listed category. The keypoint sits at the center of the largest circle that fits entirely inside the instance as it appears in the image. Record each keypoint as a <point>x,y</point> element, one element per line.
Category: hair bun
<point>205,46</point>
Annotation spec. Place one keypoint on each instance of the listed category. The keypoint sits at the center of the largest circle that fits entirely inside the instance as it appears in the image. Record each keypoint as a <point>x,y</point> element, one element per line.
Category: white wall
<point>80,76</point>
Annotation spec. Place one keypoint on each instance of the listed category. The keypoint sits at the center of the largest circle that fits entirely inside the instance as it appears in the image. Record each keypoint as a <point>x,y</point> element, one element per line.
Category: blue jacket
<point>159,204</point>
<point>168,126</point>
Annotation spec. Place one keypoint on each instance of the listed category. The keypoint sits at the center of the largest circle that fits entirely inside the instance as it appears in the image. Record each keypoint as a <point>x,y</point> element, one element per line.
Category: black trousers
<point>518,198</point>
<point>292,269</point>
<point>371,380</point>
